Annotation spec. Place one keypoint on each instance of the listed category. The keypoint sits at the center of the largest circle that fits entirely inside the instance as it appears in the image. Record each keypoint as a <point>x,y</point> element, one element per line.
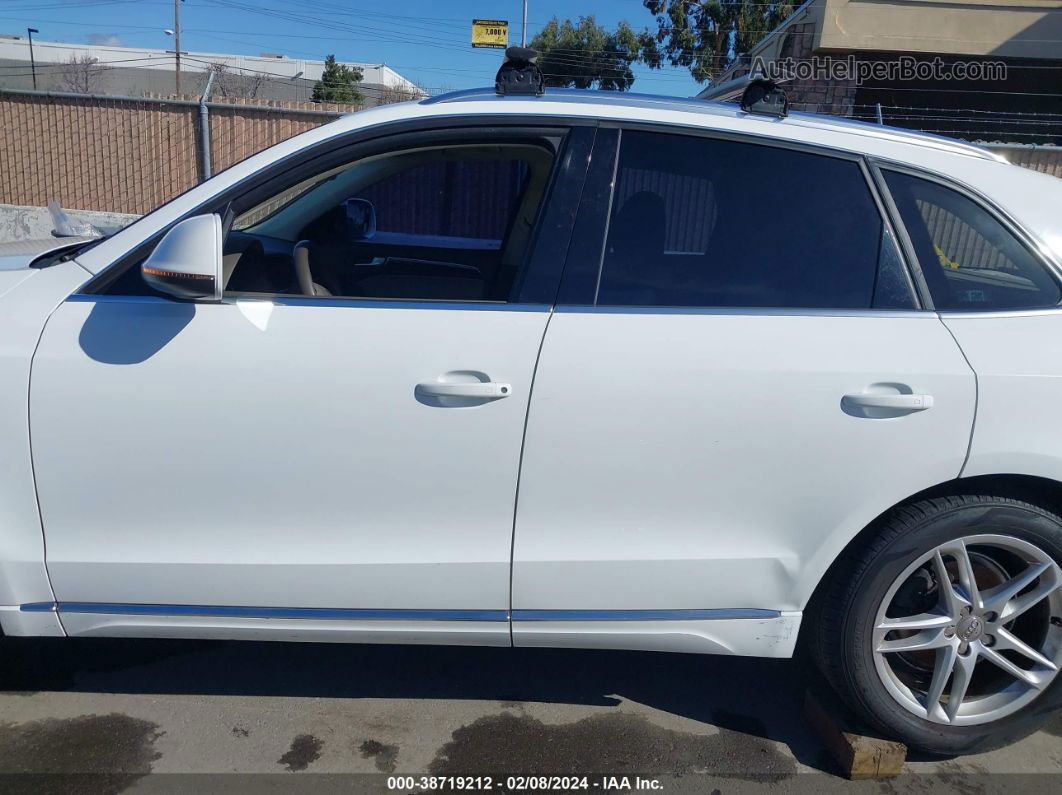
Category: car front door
<point>727,393</point>
<point>329,459</point>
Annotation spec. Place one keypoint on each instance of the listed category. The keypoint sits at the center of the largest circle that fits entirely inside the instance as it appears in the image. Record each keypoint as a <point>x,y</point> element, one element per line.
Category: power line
<point>580,59</point>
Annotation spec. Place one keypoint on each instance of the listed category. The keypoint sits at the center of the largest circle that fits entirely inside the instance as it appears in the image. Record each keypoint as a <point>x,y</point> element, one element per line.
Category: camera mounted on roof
<point>520,74</point>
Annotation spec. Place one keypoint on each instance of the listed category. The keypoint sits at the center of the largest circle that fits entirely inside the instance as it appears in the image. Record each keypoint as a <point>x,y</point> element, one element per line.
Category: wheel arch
<point>1043,492</point>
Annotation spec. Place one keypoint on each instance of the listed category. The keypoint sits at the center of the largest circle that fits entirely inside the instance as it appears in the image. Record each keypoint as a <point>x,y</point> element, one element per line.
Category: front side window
<point>713,223</point>
<point>448,223</point>
<point>969,259</point>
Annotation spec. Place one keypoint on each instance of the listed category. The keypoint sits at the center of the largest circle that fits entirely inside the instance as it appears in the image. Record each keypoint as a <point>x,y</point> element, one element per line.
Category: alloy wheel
<point>971,631</point>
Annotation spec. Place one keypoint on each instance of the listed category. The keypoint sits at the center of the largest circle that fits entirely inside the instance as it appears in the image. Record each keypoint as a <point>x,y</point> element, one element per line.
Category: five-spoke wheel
<point>982,599</point>
<point>942,624</point>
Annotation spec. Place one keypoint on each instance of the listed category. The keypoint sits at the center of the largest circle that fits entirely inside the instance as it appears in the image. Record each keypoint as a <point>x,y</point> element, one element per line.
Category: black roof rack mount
<point>765,98</point>
<point>519,74</point>
<point>758,94</point>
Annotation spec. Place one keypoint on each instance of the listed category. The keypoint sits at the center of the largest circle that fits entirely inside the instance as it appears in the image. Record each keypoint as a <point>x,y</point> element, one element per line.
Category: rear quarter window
<point>970,260</point>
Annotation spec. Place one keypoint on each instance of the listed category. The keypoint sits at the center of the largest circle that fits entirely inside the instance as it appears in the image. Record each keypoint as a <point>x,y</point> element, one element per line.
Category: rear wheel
<point>945,629</point>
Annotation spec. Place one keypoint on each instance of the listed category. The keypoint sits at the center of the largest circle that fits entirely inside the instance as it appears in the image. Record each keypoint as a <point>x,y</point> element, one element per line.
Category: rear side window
<point>970,260</point>
<point>702,222</point>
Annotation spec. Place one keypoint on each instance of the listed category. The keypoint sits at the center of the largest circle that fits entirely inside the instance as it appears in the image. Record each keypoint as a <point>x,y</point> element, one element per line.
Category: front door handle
<point>490,389</point>
<point>894,402</point>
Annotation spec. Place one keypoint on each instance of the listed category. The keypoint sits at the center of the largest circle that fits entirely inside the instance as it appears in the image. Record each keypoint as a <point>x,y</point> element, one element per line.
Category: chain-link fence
<point>129,155</point>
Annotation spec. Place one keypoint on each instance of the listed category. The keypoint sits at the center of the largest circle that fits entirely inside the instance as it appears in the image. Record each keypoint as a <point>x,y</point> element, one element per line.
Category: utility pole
<point>523,30</point>
<point>33,63</point>
<point>177,39</point>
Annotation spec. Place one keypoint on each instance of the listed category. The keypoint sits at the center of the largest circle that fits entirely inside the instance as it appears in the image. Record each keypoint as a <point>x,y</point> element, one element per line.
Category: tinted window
<point>699,222</point>
<point>447,223</point>
<point>470,199</point>
<point>970,260</point>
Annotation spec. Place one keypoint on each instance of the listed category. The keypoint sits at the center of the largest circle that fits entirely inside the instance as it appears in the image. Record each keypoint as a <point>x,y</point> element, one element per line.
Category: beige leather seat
<point>301,256</point>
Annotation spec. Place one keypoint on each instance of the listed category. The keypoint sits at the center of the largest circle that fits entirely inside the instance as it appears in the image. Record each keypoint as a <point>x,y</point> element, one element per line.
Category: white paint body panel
<point>769,637</point>
<point>17,623</point>
<point>1019,380</point>
<point>23,577</point>
<point>278,457</point>
<point>701,460</point>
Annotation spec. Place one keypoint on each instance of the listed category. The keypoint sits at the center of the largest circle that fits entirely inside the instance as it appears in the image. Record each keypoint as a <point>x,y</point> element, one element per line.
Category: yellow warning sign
<point>492,33</point>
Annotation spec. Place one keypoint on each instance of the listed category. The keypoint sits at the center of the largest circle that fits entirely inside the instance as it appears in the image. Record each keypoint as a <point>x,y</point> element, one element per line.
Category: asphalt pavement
<point>109,716</point>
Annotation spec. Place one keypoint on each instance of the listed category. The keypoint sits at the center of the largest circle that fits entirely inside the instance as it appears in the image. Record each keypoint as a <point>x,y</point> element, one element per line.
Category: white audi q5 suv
<point>585,370</point>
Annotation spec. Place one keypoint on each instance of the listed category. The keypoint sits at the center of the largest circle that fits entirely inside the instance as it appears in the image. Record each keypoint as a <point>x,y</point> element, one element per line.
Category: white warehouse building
<point>136,71</point>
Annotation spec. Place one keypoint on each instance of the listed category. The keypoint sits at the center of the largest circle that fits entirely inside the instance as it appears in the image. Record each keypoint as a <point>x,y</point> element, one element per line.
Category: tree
<point>83,74</point>
<point>391,94</point>
<point>587,54</point>
<point>229,84</point>
<point>338,83</point>
<point>706,36</point>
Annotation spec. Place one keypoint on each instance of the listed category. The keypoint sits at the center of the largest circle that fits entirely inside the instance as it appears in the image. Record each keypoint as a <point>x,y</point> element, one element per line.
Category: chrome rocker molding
<point>643,615</point>
<point>223,611</point>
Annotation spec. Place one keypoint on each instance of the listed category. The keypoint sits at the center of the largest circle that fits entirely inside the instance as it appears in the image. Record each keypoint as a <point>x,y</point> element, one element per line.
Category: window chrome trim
<point>959,314</point>
<point>399,303</point>
<point>301,301</point>
<point>743,311</point>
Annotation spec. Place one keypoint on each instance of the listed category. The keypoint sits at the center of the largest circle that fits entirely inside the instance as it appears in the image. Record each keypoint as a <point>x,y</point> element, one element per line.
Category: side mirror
<point>360,219</point>
<point>186,263</point>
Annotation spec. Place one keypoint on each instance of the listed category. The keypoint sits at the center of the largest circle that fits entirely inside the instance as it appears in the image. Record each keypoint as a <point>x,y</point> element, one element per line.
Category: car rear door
<point>737,379</point>
<point>999,298</point>
<point>204,466</point>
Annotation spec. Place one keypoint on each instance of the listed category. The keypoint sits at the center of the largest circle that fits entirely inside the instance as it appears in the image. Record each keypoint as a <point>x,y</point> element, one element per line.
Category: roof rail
<point>731,89</point>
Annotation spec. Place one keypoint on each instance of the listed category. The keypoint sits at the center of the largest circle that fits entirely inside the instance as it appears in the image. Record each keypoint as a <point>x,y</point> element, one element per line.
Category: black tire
<point>844,612</point>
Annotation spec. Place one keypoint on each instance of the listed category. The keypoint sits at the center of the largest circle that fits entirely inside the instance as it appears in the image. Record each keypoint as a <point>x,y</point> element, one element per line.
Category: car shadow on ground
<point>758,697</point>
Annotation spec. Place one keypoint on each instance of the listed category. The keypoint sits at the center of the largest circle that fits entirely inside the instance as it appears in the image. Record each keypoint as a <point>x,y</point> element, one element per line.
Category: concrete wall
<point>1006,28</point>
<point>34,223</point>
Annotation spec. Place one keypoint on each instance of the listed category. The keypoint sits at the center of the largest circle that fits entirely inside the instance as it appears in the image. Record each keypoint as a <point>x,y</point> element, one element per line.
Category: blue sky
<point>424,40</point>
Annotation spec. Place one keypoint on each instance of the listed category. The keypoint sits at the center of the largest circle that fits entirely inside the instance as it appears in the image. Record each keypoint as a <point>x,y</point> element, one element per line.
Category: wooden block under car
<point>860,756</point>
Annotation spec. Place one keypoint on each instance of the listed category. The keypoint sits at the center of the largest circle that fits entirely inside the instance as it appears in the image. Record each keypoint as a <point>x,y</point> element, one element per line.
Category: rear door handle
<point>895,402</point>
<point>490,389</point>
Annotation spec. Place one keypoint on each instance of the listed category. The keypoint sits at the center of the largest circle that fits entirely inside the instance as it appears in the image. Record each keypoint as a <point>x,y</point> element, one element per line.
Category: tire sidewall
<point>999,518</point>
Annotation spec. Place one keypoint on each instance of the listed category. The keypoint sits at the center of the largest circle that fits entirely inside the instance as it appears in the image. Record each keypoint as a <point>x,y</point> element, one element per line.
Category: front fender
<point>23,314</point>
